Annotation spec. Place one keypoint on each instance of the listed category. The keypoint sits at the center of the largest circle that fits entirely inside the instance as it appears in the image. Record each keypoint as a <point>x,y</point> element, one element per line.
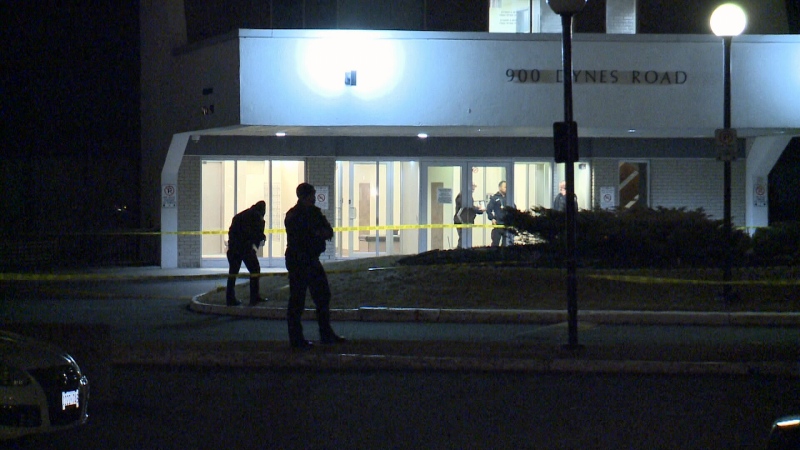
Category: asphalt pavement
<point>158,316</point>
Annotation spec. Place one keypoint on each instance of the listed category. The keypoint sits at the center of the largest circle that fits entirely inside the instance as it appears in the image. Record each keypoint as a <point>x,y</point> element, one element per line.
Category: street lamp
<point>727,21</point>
<point>565,136</point>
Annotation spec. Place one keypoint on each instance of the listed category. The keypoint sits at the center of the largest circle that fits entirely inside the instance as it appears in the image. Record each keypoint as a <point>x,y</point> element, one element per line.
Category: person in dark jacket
<point>495,211</point>
<point>560,202</point>
<point>466,214</point>
<point>307,229</point>
<point>245,235</point>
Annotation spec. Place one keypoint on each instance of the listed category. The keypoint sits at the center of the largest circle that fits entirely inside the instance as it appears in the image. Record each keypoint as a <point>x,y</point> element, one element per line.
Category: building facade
<point>392,125</point>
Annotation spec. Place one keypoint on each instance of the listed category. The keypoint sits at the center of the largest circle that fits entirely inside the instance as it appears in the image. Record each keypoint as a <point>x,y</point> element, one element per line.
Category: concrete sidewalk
<point>681,342</point>
<point>427,339</point>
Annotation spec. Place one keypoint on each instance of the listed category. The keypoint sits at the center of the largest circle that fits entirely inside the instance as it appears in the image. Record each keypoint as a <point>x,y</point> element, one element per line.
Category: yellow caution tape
<point>335,229</point>
<point>658,280</point>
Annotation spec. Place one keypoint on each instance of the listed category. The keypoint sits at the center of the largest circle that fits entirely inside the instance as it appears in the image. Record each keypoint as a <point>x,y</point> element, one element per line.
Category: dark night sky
<point>75,68</point>
<point>70,87</point>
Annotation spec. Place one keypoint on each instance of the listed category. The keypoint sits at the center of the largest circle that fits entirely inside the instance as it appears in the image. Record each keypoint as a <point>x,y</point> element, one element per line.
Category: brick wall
<point>676,183</point>
<point>190,211</point>
<point>682,183</point>
<point>322,172</point>
<point>605,173</point>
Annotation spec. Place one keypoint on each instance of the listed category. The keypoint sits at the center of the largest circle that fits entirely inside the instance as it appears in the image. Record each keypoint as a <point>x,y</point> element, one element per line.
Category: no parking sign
<point>322,197</point>
<point>759,191</point>
<point>607,197</point>
<point>168,194</point>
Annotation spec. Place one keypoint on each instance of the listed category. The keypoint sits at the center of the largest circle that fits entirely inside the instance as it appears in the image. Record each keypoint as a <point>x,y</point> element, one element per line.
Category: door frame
<point>466,167</point>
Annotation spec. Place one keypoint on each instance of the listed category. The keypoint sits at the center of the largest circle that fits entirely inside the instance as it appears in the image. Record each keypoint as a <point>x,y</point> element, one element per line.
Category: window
<point>633,184</point>
<point>233,186</point>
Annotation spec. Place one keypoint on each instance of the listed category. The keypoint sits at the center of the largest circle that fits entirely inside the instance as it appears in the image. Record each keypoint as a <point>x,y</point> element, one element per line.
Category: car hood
<point>28,353</point>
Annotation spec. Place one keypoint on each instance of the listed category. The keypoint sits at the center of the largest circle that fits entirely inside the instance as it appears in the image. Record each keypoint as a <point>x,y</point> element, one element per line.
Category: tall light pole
<point>727,21</point>
<point>565,136</point>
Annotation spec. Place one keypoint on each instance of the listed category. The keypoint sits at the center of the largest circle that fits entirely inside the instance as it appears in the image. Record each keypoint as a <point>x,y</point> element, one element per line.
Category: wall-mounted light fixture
<point>350,78</point>
<point>422,135</point>
<point>280,134</point>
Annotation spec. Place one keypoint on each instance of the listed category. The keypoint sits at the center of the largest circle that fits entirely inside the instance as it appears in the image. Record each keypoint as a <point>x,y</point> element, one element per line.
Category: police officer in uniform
<point>495,211</point>
<point>244,236</point>
<point>307,229</point>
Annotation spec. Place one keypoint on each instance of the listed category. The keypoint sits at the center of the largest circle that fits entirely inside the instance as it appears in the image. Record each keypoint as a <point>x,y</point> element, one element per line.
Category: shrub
<point>636,237</point>
<point>778,244</point>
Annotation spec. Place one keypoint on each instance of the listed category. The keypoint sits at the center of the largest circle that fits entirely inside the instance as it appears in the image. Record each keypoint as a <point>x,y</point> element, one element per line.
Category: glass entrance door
<point>441,184</point>
<point>375,199</point>
<point>438,182</point>
<point>485,181</point>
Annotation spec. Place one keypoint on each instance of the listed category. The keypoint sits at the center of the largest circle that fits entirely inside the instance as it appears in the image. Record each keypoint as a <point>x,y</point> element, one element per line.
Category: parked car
<point>785,434</point>
<point>42,388</point>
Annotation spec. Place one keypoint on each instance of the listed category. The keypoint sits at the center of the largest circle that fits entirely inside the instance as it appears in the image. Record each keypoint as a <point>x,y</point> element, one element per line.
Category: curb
<point>172,356</point>
<point>517,316</point>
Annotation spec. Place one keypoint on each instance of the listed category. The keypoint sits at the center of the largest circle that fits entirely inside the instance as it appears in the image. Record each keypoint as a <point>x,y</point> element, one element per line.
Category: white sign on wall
<point>168,196</point>
<point>759,191</point>
<point>322,197</point>
<point>608,197</point>
<point>444,195</point>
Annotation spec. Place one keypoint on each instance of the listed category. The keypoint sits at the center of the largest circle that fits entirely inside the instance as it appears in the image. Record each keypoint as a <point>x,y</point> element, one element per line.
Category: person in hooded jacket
<point>245,235</point>
<point>307,230</point>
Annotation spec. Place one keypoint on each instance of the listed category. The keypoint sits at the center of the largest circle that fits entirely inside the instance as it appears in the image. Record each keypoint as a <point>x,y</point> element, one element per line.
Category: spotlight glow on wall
<point>322,64</point>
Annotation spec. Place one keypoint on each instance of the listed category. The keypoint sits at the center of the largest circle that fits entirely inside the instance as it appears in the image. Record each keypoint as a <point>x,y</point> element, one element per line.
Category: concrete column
<point>762,154</point>
<point>169,210</point>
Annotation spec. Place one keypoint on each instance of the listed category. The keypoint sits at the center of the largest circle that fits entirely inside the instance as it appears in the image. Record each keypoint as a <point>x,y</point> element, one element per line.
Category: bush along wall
<point>778,244</point>
<point>637,237</point>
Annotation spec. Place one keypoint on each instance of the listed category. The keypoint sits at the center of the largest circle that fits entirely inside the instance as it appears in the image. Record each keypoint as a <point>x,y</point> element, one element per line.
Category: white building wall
<point>292,78</point>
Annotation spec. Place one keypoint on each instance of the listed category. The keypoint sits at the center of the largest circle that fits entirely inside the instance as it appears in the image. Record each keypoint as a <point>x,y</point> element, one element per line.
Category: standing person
<point>560,202</point>
<point>245,235</point>
<point>307,230</point>
<point>466,214</point>
<point>495,211</point>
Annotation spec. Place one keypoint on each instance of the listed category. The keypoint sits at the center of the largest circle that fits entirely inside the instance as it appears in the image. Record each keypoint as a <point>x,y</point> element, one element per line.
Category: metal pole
<point>569,174</point>
<point>726,274</point>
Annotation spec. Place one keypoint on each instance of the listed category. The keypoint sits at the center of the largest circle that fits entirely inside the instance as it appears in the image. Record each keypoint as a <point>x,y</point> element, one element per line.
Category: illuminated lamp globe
<point>566,6</point>
<point>728,20</point>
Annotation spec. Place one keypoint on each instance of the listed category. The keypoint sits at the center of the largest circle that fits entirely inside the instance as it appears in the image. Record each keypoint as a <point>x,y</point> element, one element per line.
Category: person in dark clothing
<point>466,214</point>
<point>495,211</point>
<point>307,229</point>
<point>245,235</point>
<point>560,202</point>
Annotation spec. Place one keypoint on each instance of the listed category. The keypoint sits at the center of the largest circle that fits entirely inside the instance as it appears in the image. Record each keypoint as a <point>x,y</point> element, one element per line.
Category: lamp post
<point>565,136</point>
<point>727,20</point>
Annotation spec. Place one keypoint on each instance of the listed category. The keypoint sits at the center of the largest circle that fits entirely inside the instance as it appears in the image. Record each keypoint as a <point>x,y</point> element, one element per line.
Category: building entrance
<point>448,189</point>
<point>376,208</point>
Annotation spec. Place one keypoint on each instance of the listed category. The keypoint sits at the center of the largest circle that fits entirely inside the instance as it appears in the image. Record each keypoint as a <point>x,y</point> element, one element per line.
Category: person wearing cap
<point>245,235</point>
<point>307,229</point>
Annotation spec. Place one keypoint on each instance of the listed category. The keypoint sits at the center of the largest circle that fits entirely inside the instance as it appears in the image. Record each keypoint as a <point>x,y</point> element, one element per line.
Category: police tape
<point>283,230</point>
<point>60,277</point>
<point>335,229</point>
<point>659,280</point>
<point>638,279</point>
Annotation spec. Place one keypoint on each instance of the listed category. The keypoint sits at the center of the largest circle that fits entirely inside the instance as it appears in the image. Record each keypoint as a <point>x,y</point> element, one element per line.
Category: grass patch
<point>490,286</point>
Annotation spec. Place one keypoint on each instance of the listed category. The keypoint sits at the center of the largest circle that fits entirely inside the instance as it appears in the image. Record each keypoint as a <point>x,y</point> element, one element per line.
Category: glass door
<point>439,185</point>
<point>375,199</point>
<point>486,180</point>
<point>582,181</point>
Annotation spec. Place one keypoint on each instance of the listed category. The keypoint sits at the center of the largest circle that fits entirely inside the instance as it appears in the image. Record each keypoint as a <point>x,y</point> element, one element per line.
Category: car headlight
<point>12,376</point>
